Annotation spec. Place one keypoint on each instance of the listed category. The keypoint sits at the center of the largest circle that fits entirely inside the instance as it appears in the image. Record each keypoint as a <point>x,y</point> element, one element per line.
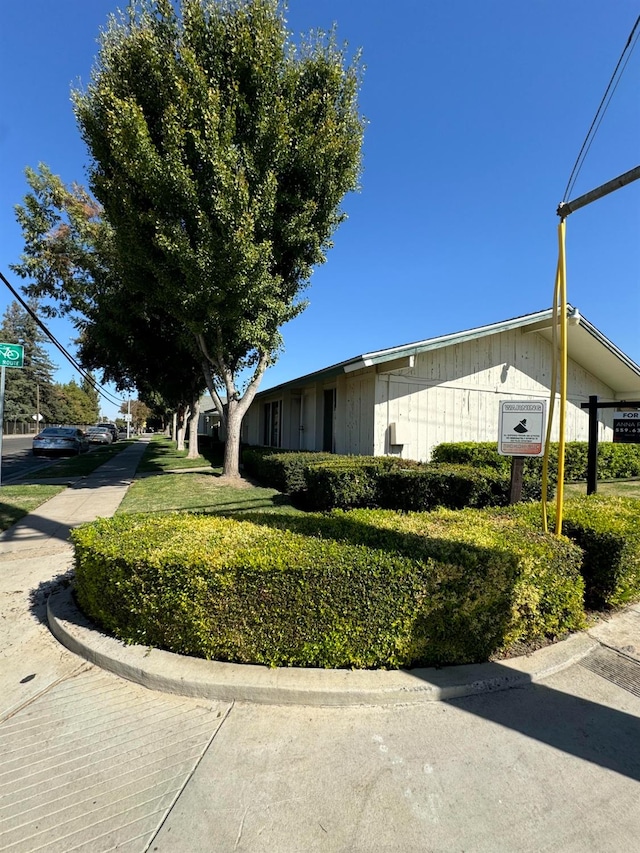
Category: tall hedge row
<point>321,481</point>
<point>614,460</point>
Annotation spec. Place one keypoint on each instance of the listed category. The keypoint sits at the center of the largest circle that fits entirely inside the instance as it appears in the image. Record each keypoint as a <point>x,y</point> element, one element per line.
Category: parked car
<point>60,441</point>
<point>113,429</point>
<point>99,435</point>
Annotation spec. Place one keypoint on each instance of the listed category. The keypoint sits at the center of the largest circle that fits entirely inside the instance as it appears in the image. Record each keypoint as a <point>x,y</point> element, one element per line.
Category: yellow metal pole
<point>552,398</point>
<point>562,268</point>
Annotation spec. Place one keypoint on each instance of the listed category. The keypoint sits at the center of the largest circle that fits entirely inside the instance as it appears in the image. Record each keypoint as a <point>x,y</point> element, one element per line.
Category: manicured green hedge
<point>361,482</point>
<point>362,589</point>
<point>617,461</point>
<point>346,482</point>
<point>325,481</point>
<point>614,460</point>
<point>608,531</point>
<point>279,469</point>
<point>442,485</point>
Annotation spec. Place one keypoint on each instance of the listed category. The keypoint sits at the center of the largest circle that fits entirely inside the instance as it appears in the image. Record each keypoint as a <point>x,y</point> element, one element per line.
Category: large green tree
<point>221,155</point>
<point>81,403</point>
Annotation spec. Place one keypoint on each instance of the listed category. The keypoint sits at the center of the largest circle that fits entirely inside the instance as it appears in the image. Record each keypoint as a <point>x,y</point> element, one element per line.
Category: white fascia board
<point>456,338</point>
<point>359,364</point>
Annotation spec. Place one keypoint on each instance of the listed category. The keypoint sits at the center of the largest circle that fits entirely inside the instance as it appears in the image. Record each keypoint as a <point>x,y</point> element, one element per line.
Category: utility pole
<point>564,209</point>
<point>567,207</point>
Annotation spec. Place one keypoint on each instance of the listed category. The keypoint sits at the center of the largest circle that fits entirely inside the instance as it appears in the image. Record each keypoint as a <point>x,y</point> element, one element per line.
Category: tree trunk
<point>232,444</point>
<point>193,429</point>
<point>180,422</point>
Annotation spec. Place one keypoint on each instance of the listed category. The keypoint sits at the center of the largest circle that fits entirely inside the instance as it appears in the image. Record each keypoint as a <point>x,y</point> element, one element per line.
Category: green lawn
<point>200,492</point>
<point>161,456</point>
<point>158,490</point>
<point>17,501</point>
<point>79,466</point>
<point>617,488</point>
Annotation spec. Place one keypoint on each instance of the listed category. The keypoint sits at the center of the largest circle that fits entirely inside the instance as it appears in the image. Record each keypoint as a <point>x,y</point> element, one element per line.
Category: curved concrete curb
<point>186,676</point>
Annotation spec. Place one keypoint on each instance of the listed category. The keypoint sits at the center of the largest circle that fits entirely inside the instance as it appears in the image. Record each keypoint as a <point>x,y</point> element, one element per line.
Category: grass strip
<point>200,492</point>
<point>18,501</point>
<point>162,455</point>
<point>79,466</point>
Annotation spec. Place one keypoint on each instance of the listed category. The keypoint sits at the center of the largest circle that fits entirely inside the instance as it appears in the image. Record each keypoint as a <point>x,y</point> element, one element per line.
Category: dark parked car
<point>99,435</point>
<point>60,441</point>
<point>113,429</point>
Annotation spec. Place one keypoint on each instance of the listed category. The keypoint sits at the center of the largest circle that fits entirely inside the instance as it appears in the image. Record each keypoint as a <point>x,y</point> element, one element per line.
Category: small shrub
<point>361,482</point>
<point>342,482</point>
<point>280,469</point>
<point>618,461</point>
<point>442,485</point>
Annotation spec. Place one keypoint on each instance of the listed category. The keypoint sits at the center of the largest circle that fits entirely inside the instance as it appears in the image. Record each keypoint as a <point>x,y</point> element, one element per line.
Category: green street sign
<point>11,355</point>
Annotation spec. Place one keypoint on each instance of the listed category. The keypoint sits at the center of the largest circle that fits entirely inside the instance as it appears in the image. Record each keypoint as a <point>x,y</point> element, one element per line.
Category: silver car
<point>99,435</point>
<point>60,441</point>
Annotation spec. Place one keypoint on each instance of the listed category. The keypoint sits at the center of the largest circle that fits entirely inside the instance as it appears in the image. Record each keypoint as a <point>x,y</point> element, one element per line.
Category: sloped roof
<point>587,346</point>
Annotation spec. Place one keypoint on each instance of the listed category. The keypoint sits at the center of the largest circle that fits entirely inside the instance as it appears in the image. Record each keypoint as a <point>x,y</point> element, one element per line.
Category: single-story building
<point>407,399</point>
<point>209,417</point>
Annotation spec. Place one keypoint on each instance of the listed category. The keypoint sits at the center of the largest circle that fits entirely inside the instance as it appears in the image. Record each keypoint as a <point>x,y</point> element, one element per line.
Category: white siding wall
<point>356,398</point>
<point>453,393</point>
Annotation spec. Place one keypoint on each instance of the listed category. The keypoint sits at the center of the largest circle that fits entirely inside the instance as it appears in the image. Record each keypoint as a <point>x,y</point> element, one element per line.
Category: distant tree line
<point>31,390</point>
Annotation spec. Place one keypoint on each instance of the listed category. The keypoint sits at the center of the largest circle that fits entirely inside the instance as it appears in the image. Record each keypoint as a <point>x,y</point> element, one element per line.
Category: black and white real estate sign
<point>522,427</point>
<point>626,427</point>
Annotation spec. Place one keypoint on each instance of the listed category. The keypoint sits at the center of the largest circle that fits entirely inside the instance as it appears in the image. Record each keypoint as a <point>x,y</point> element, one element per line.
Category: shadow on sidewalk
<point>39,595</point>
<point>577,726</point>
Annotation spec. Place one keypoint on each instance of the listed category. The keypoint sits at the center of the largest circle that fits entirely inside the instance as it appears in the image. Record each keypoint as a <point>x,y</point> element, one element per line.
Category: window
<point>272,413</point>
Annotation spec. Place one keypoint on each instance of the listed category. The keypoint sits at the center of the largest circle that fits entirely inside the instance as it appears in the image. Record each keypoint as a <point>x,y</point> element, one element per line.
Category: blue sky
<point>476,112</point>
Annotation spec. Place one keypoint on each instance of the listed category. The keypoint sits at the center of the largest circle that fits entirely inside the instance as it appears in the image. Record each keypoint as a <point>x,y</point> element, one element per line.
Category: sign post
<point>11,355</point>
<point>521,433</point>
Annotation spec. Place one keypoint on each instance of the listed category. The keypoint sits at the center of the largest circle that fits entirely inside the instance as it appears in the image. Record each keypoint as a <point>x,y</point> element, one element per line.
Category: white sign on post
<point>522,427</point>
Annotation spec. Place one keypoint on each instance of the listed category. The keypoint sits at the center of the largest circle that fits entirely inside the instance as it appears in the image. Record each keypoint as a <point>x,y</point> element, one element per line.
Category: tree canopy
<point>220,154</point>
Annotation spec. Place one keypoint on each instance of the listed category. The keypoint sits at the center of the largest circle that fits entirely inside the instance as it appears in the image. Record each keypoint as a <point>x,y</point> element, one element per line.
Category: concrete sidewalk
<point>92,762</point>
<point>35,555</point>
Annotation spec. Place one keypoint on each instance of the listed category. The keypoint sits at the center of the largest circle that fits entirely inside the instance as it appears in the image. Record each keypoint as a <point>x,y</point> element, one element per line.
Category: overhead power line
<point>75,364</point>
<point>604,103</point>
